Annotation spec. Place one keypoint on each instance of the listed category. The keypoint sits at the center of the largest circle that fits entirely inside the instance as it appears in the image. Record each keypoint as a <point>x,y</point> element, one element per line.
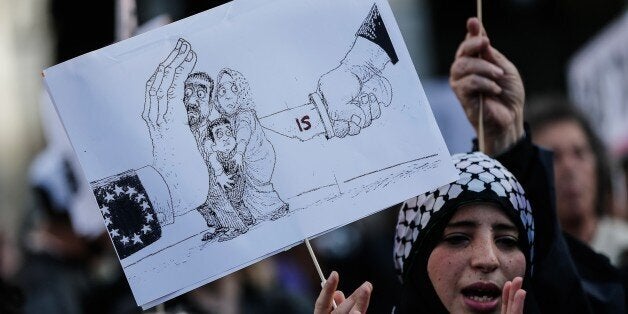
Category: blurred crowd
<point>60,261</point>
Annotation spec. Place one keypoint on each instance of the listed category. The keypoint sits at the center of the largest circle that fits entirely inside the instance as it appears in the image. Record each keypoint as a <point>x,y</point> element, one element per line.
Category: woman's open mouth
<point>482,296</point>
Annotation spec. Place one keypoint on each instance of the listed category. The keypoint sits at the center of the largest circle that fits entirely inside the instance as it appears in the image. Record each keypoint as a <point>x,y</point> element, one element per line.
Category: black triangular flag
<point>373,29</point>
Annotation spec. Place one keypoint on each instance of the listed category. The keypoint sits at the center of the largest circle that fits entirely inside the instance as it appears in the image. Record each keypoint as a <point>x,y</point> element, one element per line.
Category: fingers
<point>229,182</point>
<point>176,51</point>
<point>376,109</point>
<point>181,72</point>
<point>464,66</point>
<point>177,65</point>
<point>323,302</point>
<point>505,296</point>
<point>154,83</point>
<point>167,70</point>
<point>519,300</point>
<point>516,285</point>
<point>343,128</point>
<point>496,57</point>
<point>473,84</point>
<point>339,297</point>
<point>473,46</point>
<point>362,297</point>
<point>340,128</point>
<point>354,116</point>
<point>513,297</point>
<point>153,107</point>
<point>473,27</point>
<point>345,307</point>
<point>366,109</point>
<point>148,100</point>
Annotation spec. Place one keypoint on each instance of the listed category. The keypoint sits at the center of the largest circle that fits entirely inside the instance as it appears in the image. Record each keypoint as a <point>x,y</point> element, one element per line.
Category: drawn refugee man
<point>217,210</point>
<point>163,92</point>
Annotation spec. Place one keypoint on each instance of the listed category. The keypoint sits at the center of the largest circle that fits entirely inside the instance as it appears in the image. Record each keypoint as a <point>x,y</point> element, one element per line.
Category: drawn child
<point>253,153</point>
<point>227,172</point>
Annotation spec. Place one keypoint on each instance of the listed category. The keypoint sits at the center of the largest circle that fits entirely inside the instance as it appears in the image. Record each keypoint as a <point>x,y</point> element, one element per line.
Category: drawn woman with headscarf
<point>255,155</point>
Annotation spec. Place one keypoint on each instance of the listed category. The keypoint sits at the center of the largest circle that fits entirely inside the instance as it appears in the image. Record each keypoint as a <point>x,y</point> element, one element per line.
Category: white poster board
<point>598,82</point>
<point>226,137</point>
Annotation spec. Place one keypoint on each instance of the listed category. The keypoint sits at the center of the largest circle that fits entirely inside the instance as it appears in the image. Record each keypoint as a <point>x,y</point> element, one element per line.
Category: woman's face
<point>477,254</point>
<point>227,94</point>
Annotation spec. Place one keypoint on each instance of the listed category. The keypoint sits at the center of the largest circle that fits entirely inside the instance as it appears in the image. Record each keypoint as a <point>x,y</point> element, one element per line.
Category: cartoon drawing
<point>221,117</point>
<point>159,98</point>
<point>217,210</point>
<point>206,177</point>
<point>340,112</point>
<point>231,206</point>
<point>253,152</point>
<point>223,162</point>
<point>170,77</point>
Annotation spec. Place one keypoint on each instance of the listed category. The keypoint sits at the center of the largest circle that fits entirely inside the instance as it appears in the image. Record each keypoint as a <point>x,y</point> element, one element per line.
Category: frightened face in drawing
<point>228,93</point>
<point>233,92</point>
<point>198,91</point>
<point>222,135</point>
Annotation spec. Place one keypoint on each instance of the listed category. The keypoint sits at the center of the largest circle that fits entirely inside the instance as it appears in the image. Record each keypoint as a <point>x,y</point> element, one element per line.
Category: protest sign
<point>221,139</point>
<point>597,76</point>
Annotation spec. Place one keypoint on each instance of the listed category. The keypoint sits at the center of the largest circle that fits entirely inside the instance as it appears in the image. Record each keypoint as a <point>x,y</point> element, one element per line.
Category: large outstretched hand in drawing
<point>162,97</point>
<point>161,90</point>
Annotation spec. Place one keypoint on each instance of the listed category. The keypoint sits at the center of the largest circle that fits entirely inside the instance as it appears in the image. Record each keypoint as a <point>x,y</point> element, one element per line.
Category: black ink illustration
<point>338,112</point>
<point>239,158</point>
<point>129,214</point>
<point>254,153</point>
<point>224,165</point>
<point>219,167</point>
<point>159,115</point>
<point>218,211</point>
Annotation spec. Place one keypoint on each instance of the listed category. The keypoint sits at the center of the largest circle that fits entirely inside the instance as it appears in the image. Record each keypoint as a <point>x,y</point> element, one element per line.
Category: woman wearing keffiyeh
<point>463,246</point>
<point>489,242</point>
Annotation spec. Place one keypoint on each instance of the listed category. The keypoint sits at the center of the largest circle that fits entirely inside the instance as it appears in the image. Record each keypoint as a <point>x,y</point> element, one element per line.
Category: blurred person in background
<point>63,271</point>
<point>257,289</point>
<point>582,175</point>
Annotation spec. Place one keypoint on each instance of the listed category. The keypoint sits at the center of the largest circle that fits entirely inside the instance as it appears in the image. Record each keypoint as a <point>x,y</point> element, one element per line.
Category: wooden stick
<point>481,144</point>
<point>479,8</point>
<point>318,268</point>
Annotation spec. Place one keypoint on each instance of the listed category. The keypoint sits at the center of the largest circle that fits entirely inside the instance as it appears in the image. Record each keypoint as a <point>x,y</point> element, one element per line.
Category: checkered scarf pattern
<point>478,173</point>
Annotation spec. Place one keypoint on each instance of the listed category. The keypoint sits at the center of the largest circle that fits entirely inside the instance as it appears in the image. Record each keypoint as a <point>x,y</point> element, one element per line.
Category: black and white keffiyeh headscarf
<point>422,220</point>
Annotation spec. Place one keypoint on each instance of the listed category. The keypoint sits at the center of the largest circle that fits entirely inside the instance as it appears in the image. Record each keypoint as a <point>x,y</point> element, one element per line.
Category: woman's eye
<point>221,91</point>
<point>234,88</point>
<point>456,239</point>
<point>507,241</point>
